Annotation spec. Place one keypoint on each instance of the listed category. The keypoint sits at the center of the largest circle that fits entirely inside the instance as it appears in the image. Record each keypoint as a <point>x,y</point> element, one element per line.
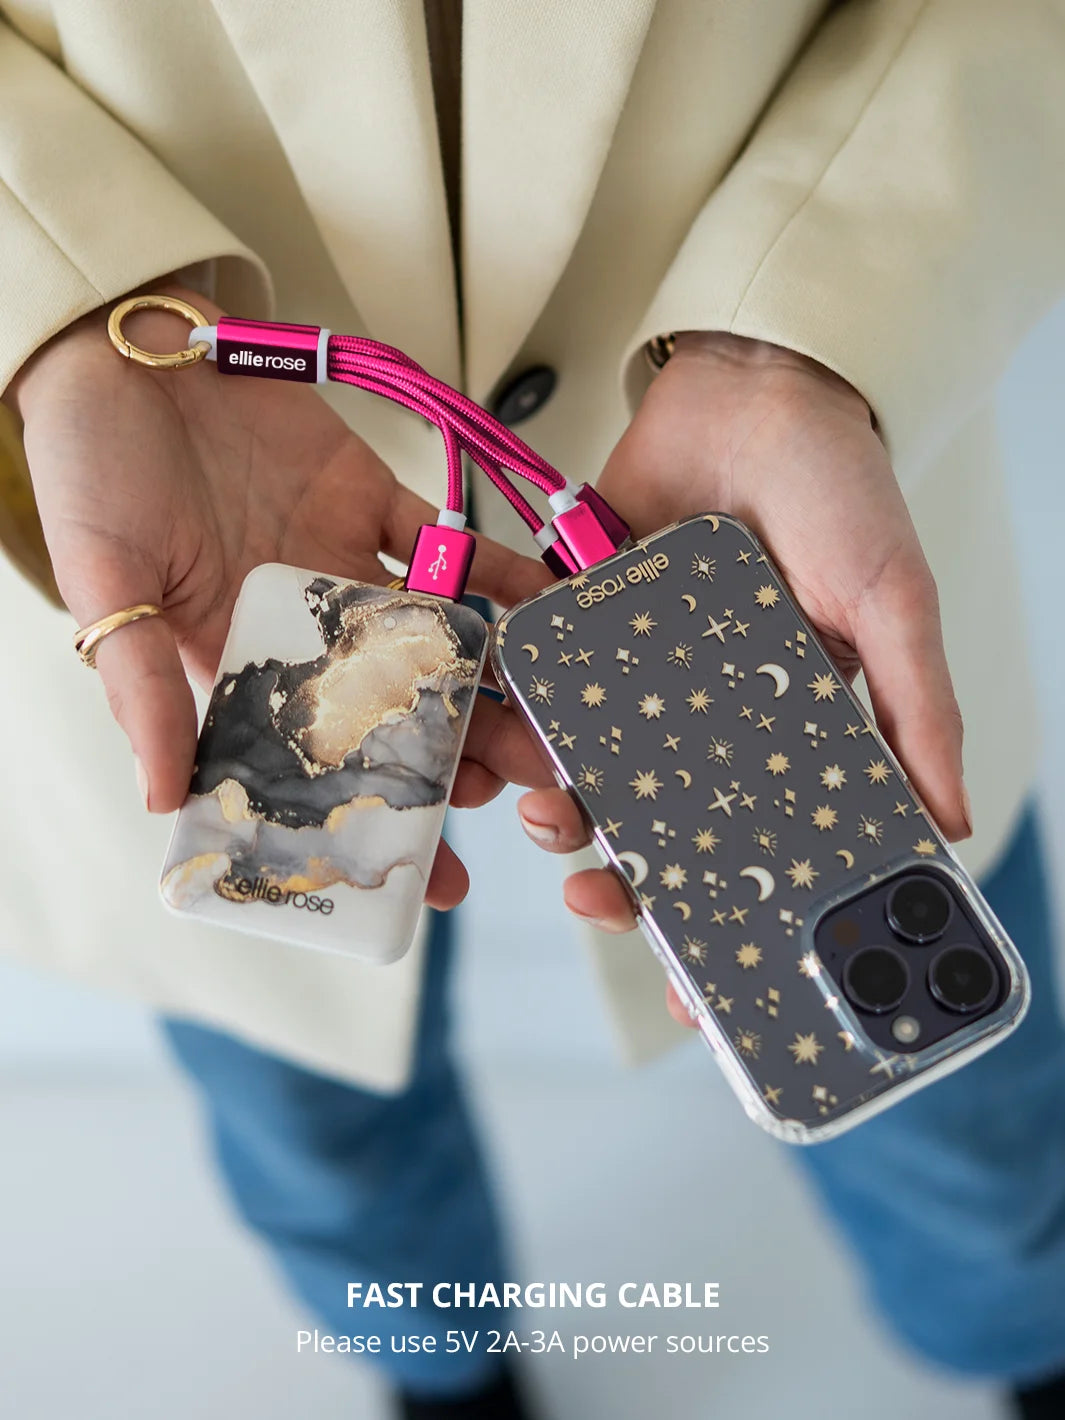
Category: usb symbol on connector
<point>443,573</point>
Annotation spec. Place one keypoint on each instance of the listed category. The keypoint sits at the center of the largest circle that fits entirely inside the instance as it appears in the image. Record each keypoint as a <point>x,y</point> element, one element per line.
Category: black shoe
<point>1045,1401</point>
<point>499,1401</point>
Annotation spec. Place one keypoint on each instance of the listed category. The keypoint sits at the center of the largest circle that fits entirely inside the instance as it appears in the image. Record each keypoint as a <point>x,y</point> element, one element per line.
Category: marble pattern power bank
<point>325,762</point>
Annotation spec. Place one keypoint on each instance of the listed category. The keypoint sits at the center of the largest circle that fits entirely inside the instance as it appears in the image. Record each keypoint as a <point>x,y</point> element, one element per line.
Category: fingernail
<point>142,779</point>
<point>966,807</point>
<point>546,834</point>
<point>600,922</point>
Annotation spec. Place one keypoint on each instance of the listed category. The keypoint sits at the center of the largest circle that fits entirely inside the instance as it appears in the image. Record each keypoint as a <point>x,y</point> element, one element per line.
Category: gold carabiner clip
<point>179,358</point>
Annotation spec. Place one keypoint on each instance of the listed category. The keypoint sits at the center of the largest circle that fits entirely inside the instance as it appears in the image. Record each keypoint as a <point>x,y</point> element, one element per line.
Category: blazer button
<point>524,395</point>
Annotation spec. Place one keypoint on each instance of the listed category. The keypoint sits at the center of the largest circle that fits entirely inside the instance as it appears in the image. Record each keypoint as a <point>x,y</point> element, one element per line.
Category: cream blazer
<point>877,183</point>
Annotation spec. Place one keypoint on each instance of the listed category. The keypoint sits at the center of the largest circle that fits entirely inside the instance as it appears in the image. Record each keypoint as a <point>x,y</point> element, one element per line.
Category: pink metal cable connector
<point>440,561</point>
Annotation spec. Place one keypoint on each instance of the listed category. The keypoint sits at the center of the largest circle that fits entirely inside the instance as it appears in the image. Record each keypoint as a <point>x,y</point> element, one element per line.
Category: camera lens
<point>876,979</point>
<point>962,979</point>
<point>919,909</point>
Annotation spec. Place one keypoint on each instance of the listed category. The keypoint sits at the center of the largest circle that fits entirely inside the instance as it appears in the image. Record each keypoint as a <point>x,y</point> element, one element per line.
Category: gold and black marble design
<point>330,771</point>
<point>750,793</point>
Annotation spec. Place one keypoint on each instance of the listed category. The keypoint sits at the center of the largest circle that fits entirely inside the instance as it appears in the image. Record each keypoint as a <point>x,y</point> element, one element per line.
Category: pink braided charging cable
<point>582,529</point>
<point>382,369</point>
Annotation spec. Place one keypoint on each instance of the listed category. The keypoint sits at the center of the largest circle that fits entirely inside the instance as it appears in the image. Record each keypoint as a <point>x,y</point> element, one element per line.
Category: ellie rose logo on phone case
<point>646,571</point>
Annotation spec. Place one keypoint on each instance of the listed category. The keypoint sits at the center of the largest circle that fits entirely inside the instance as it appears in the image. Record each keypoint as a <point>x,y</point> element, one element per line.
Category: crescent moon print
<point>637,864</point>
<point>763,877</point>
<point>780,677</point>
<point>534,652</point>
<point>746,823</point>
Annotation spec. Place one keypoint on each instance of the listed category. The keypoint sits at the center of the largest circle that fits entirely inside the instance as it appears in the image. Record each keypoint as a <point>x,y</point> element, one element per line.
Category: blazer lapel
<point>543,86</point>
<point>348,90</point>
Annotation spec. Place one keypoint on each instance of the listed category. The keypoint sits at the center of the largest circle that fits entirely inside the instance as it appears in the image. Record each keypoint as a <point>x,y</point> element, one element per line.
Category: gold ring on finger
<point>88,638</point>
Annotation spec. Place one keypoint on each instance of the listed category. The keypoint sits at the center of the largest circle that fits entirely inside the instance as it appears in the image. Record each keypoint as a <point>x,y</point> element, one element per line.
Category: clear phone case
<point>738,786</point>
<point>325,762</point>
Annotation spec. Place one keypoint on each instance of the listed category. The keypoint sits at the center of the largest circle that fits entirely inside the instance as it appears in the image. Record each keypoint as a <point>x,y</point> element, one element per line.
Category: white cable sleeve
<point>450,519</point>
<point>208,333</point>
<point>562,501</point>
<point>323,356</point>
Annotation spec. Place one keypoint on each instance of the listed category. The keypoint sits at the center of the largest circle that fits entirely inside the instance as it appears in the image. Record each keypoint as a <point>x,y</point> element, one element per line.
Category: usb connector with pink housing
<point>441,557</point>
<point>588,529</point>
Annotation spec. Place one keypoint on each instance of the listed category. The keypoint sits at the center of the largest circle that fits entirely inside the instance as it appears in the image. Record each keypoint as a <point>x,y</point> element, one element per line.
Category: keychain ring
<point>157,302</point>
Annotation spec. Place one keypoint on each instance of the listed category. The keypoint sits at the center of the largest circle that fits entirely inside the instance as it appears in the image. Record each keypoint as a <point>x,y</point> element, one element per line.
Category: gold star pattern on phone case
<point>735,741</point>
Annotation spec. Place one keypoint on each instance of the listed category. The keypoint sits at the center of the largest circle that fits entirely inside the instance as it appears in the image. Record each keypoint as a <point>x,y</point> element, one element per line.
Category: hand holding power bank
<point>339,713</point>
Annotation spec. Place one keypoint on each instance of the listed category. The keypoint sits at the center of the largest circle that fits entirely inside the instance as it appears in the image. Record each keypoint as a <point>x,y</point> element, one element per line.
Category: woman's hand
<point>738,426</point>
<point>168,486</point>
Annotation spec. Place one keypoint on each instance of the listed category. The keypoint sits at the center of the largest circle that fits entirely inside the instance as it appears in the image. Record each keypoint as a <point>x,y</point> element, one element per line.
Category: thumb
<point>142,673</point>
<point>899,640</point>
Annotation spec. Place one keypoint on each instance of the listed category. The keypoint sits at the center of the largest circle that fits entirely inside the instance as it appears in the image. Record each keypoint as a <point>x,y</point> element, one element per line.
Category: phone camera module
<point>876,979</point>
<point>962,979</point>
<point>919,909</point>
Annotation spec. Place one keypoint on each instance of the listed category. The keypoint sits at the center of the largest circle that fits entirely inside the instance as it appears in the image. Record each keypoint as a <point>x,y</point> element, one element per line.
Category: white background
<point>128,1290</point>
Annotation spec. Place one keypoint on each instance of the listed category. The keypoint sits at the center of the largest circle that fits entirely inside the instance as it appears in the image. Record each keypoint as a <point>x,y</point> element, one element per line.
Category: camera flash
<point>905,1029</point>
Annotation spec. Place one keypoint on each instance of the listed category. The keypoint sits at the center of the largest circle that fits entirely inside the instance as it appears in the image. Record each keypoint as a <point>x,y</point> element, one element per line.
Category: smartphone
<point>325,762</point>
<point>832,950</point>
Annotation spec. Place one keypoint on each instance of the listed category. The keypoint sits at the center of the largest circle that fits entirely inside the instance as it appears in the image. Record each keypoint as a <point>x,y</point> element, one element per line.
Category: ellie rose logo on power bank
<point>263,890</point>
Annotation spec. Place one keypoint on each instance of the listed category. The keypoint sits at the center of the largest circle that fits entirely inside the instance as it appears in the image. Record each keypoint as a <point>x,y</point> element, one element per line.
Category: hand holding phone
<point>797,889</point>
<point>790,448</point>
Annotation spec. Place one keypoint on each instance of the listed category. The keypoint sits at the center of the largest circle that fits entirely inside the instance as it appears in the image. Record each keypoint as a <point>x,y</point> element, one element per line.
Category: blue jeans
<point>954,1201</point>
<point>346,1185</point>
